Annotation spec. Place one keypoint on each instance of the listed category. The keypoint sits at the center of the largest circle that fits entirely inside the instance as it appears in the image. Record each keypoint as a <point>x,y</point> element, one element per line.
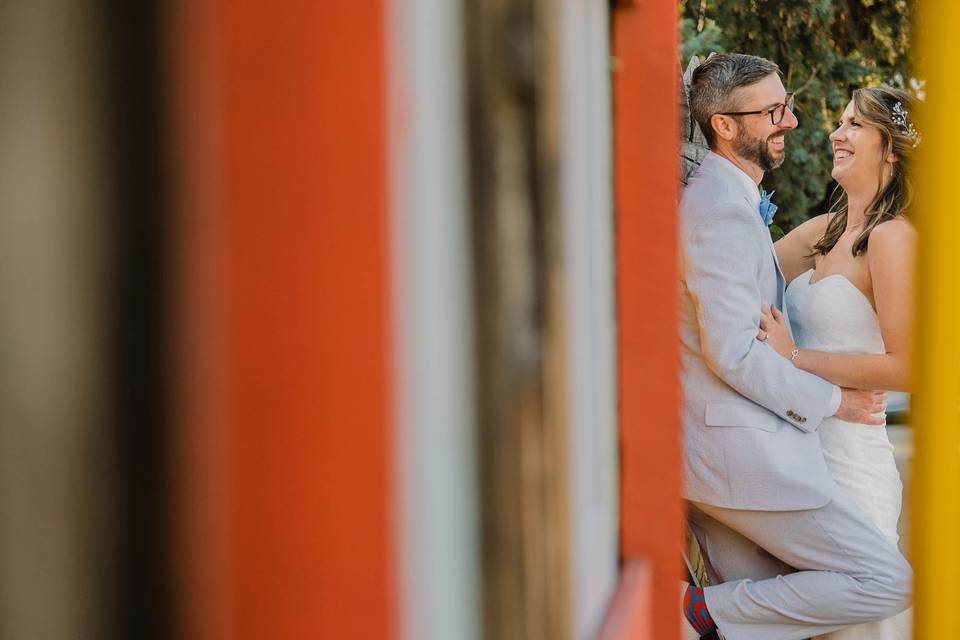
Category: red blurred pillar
<point>646,134</point>
<point>284,431</point>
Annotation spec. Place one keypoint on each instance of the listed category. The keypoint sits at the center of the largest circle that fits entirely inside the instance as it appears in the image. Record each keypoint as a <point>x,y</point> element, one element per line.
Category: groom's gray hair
<point>715,83</point>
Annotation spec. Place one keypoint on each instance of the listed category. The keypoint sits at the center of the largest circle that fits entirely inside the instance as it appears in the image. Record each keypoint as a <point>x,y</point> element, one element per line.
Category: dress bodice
<point>832,314</point>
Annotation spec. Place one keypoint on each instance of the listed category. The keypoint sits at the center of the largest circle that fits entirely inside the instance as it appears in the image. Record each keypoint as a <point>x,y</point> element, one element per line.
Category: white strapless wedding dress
<point>831,314</point>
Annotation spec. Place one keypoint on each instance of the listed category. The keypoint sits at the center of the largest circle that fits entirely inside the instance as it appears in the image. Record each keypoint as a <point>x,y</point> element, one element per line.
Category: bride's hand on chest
<point>774,331</point>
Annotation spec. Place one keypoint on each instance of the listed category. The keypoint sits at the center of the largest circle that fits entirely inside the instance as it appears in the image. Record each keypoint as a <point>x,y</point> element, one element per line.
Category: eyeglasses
<point>777,111</point>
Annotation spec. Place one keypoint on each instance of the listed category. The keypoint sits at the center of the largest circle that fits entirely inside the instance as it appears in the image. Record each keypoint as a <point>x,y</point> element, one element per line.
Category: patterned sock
<point>695,609</point>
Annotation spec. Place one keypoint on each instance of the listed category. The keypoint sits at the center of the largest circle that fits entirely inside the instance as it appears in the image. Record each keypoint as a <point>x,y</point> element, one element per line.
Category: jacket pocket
<point>738,415</point>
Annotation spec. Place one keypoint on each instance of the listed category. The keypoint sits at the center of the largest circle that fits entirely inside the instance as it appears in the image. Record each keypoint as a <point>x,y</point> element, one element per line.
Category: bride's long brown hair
<point>875,107</point>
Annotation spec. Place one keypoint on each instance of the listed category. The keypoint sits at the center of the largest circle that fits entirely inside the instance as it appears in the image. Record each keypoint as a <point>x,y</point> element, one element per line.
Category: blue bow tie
<point>767,208</point>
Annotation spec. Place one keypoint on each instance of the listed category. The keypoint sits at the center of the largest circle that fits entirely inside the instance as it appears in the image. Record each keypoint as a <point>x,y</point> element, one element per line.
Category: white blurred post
<point>434,442</point>
<point>587,213</point>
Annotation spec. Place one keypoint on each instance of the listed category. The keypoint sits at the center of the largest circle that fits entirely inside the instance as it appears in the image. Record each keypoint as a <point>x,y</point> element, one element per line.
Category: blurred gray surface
<point>901,436</point>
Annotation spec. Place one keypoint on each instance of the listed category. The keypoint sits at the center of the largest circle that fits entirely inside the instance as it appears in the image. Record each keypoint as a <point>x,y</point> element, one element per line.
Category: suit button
<point>802,419</point>
<point>791,414</point>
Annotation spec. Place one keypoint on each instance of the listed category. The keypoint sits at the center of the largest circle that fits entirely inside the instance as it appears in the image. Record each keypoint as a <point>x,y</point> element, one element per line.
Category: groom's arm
<point>723,258</point>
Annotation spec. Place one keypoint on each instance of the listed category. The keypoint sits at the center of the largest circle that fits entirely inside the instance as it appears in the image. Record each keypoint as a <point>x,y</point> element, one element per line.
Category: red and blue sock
<point>695,609</point>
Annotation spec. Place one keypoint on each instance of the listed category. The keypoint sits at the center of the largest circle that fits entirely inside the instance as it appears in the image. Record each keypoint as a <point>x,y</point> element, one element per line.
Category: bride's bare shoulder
<point>896,234</point>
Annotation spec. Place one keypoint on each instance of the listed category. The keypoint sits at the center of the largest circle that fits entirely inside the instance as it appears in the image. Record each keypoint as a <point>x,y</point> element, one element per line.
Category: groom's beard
<point>757,151</point>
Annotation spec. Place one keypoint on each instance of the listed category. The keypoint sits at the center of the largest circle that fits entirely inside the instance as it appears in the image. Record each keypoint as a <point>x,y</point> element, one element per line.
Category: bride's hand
<point>774,331</point>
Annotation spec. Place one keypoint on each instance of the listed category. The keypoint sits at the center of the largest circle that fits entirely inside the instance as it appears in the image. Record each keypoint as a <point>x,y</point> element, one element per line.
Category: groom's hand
<point>859,406</point>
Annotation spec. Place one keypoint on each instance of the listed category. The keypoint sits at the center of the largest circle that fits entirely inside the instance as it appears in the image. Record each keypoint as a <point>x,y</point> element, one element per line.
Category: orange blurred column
<point>285,321</point>
<point>646,134</point>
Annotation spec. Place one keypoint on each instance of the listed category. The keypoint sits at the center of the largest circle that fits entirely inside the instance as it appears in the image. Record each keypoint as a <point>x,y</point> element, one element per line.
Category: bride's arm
<point>890,258</point>
<point>794,249</point>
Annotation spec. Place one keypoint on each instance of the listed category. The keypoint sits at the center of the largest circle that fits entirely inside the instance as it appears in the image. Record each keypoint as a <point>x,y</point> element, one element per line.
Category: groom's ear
<point>724,126</point>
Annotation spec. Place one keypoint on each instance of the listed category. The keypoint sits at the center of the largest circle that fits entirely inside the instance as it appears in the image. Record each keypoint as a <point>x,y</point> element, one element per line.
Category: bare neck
<point>856,211</point>
<point>749,168</point>
<point>858,199</point>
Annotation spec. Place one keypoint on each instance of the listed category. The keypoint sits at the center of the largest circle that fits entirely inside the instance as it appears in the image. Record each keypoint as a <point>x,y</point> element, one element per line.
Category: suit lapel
<point>781,283</point>
<point>781,279</point>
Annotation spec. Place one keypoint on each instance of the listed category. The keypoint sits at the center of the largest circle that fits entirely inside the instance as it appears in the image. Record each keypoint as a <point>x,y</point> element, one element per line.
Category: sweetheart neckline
<point>842,277</point>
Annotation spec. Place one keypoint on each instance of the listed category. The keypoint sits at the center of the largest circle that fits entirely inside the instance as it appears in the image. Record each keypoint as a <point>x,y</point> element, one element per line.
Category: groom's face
<point>758,139</point>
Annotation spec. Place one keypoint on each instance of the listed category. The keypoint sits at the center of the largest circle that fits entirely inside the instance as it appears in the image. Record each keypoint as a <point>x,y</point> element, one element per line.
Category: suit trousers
<point>796,574</point>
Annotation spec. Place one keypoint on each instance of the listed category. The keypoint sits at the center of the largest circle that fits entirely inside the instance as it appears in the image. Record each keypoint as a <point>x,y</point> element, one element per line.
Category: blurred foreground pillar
<point>936,471</point>
<point>57,532</point>
<point>283,293</point>
<point>519,285</point>
<point>433,313</point>
<point>646,122</point>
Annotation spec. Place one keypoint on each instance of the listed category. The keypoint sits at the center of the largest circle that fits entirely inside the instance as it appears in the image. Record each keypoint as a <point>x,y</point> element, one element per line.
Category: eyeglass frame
<point>787,104</point>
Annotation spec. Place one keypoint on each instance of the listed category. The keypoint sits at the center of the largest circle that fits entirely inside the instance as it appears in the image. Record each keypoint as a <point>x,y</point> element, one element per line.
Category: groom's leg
<point>847,572</point>
<point>729,555</point>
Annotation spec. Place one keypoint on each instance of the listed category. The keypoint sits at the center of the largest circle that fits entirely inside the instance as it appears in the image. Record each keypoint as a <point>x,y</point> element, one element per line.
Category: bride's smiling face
<point>858,152</point>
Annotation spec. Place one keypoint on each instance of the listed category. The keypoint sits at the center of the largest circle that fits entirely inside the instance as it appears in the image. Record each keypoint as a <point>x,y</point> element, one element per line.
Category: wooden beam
<point>524,501</point>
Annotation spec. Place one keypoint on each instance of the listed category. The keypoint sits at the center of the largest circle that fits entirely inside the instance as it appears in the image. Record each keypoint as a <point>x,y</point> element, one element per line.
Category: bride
<point>850,303</point>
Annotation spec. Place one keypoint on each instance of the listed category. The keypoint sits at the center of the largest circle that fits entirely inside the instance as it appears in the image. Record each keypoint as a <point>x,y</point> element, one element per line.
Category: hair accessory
<point>903,123</point>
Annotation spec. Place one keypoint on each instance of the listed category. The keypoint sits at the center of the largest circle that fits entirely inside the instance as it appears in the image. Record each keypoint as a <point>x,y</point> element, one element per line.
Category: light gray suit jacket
<point>749,416</point>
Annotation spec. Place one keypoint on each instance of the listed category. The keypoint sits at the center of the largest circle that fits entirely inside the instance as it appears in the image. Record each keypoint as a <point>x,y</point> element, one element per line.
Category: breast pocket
<point>738,415</point>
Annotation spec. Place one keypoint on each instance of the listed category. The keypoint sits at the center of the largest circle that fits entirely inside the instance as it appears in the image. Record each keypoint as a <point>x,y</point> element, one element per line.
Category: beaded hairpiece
<point>903,123</point>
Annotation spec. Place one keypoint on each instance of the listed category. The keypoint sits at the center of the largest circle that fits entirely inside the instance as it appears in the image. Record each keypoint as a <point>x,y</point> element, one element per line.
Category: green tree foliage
<point>825,50</point>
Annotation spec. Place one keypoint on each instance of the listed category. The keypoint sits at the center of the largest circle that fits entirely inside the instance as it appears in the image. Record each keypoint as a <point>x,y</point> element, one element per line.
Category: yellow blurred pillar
<point>936,482</point>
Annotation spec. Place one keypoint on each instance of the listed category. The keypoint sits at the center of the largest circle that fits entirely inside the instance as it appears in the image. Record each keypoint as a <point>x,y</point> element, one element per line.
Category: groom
<point>794,556</point>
